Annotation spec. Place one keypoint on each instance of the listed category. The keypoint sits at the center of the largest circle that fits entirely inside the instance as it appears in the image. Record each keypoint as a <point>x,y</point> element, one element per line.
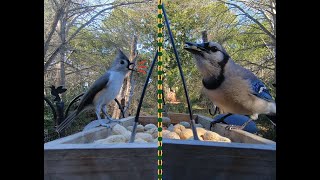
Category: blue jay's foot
<point>231,127</point>
<point>212,123</point>
<point>216,110</point>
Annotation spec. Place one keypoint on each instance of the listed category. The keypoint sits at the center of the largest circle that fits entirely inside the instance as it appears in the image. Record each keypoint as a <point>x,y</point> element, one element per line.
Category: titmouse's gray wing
<point>96,87</point>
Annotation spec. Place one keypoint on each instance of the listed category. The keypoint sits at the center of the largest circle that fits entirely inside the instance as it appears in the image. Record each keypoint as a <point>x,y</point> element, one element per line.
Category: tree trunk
<point>60,74</point>
<point>133,55</point>
<point>126,91</point>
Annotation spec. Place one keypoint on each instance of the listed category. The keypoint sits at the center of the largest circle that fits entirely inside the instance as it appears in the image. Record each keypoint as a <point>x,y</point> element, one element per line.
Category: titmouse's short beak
<point>130,65</point>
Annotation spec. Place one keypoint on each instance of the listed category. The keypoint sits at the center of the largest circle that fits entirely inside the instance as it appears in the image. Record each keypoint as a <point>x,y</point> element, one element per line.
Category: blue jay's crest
<point>260,90</point>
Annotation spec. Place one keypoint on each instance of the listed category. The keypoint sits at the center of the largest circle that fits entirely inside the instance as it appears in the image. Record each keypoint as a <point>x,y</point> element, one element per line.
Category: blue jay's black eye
<point>213,49</point>
<point>122,62</point>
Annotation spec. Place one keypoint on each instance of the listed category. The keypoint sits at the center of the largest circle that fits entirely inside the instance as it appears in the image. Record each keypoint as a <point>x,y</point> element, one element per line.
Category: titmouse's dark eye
<point>122,62</point>
<point>213,49</point>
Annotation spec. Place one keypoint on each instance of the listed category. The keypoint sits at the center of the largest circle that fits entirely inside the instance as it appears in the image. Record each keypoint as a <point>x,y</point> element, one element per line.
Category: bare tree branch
<point>82,69</point>
<point>58,15</point>
<point>248,48</point>
<point>89,21</point>
<point>55,52</point>
<point>252,18</point>
<point>255,64</point>
<point>88,7</point>
<point>56,3</point>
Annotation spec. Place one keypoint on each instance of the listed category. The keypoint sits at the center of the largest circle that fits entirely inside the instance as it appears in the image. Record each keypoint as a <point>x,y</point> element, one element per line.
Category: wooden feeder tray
<point>248,156</point>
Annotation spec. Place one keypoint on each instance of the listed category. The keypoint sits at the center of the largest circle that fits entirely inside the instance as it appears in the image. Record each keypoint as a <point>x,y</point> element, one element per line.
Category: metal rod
<point>181,73</point>
<point>178,61</point>
<point>136,120</point>
<point>164,103</point>
<point>72,102</point>
<point>145,87</point>
<point>120,107</point>
<point>133,134</point>
<point>165,107</point>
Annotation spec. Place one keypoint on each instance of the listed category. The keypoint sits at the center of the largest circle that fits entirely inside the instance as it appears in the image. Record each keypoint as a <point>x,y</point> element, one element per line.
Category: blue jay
<point>234,89</point>
<point>102,92</point>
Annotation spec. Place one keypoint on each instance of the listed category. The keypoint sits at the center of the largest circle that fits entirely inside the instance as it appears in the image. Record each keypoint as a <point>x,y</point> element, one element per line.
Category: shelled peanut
<point>149,134</point>
<point>184,131</point>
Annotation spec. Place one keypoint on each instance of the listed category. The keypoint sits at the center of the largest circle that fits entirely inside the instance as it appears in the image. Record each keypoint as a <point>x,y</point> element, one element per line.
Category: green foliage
<point>265,128</point>
<point>48,119</point>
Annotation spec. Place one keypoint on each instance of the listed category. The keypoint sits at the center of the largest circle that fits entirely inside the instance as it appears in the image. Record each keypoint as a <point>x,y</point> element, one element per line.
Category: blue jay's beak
<point>195,48</point>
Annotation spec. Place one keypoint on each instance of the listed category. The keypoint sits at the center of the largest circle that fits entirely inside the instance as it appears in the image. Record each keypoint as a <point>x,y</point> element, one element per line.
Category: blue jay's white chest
<point>235,96</point>
<point>216,96</point>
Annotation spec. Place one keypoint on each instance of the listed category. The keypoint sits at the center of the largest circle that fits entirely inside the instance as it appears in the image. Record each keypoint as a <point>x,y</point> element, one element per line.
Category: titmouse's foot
<point>103,123</point>
<point>97,123</point>
<point>112,120</point>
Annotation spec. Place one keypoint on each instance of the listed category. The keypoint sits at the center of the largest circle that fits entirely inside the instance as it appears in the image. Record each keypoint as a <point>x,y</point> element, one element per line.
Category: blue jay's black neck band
<point>215,81</point>
<point>224,61</point>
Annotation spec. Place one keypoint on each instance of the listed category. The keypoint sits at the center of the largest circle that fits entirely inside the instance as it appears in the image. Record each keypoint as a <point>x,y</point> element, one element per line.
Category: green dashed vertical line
<point>160,45</point>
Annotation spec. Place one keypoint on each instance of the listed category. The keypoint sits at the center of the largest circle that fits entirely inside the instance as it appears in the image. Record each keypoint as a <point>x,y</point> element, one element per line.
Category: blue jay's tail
<point>67,121</point>
<point>272,118</point>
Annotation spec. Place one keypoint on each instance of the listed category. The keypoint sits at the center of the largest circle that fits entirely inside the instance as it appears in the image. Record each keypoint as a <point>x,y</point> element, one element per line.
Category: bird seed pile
<point>149,134</point>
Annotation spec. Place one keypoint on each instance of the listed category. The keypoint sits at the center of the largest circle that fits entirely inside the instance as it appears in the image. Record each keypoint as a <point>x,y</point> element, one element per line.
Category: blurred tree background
<point>81,38</point>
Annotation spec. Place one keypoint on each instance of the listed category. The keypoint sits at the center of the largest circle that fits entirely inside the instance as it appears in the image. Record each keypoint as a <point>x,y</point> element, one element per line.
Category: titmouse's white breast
<point>111,89</point>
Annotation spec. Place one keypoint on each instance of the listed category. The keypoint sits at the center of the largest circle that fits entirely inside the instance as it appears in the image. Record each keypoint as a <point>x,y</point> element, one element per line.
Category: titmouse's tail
<point>66,123</point>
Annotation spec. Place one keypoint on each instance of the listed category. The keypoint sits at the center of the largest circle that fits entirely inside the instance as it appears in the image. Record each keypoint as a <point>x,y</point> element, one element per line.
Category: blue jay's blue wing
<point>260,90</point>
